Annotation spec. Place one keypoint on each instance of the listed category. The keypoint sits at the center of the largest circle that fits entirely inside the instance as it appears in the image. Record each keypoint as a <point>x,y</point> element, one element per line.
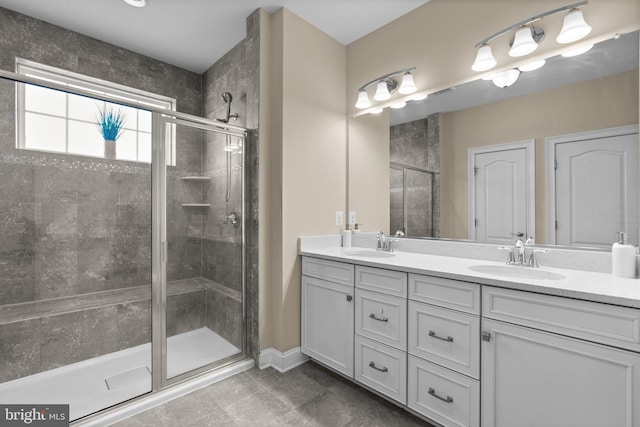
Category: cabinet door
<point>533,378</point>
<point>327,323</point>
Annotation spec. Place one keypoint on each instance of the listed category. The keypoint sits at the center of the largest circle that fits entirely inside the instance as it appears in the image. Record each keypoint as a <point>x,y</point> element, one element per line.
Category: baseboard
<point>281,362</point>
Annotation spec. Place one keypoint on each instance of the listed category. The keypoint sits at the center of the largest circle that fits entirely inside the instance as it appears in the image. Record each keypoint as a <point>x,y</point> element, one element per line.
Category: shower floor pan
<point>95,384</point>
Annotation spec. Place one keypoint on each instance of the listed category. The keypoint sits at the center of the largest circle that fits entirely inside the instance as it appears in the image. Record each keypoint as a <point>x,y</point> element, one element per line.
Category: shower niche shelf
<point>196,178</point>
<point>196,205</point>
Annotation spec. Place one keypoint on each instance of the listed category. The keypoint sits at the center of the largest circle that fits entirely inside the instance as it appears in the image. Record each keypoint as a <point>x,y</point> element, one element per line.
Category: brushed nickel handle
<point>349,298</point>
<point>434,335</point>
<point>433,393</point>
<point>373,365</point>
<point>381,319</point>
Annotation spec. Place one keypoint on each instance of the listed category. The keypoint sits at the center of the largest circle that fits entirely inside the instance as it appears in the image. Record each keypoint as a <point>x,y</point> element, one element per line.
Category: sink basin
<point>517,272</point>
<point>370,254</point>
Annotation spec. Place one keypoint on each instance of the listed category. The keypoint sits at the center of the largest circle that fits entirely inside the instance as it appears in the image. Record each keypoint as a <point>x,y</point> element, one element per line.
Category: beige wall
<point>303,164</point>
<point>369,138</point>
<point>597,104</point>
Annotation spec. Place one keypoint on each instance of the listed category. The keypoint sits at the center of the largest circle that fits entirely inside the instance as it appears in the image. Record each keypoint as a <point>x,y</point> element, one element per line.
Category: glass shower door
<point>204,283</point>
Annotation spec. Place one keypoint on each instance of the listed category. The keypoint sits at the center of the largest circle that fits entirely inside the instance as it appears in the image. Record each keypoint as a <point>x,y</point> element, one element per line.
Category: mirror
<point>431,145</point>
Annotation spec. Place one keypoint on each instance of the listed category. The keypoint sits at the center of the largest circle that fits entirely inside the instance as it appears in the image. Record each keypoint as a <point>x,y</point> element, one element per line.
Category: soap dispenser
<point>623,257</point>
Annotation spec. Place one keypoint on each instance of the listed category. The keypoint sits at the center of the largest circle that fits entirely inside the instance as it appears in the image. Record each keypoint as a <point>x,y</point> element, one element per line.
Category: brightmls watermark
<point>34,415</point>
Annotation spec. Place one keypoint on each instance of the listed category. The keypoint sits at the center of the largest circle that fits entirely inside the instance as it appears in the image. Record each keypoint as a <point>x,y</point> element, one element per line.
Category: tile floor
<point>308,395</point>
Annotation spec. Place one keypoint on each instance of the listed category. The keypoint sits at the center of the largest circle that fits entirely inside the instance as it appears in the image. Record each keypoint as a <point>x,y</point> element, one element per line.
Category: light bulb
<point>407,86</point>
<point>531,66</point>
<point>577,51</point>
<point>506,78</point>
<point>382,91</point>
<point>574,27</point>
<point>484,59</point>
<point>363,100</point>
<point>523,43</point>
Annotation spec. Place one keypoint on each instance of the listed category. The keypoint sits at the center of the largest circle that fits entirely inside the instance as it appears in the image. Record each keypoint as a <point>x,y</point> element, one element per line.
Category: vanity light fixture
<point>506,78</point>
<point>533,65</point>
<point>419,96</point>
<point>136,3</point>
<point>385,85</point>
<point>577,51</point>
<point>382,91</point>
<point>574,27</point>
<point>527,36</point>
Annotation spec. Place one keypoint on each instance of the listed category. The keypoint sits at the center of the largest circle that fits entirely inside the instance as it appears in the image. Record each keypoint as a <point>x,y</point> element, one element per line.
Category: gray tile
<point>329,410</point>
<point>19,349</point>
<point>134,324</point>
<point>260,408</point>
<point>61,340</point>
<point>145,419</point>
<point>294,387</point>
<point>99,331</point>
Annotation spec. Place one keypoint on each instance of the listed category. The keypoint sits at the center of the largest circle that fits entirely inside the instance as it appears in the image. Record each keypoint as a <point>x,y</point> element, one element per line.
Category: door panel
<point>500,195</point>
<point>603,170</point>
<point>532,378</point>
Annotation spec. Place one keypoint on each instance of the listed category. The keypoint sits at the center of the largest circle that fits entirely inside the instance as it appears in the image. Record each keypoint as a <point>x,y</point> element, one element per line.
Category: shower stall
<point>118,277</point>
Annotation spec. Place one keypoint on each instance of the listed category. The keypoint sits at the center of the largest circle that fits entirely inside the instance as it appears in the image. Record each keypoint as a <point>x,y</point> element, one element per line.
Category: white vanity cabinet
<point>552,361</point>
<point>444,350</point>
<point>327,313</point>
<point>464,354</point>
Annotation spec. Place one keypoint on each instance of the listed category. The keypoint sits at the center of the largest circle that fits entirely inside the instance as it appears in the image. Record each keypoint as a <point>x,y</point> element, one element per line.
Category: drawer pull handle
<point>448,399</point>
<point>381,319</point>
<point>373,365</point>
<point>433,334</point>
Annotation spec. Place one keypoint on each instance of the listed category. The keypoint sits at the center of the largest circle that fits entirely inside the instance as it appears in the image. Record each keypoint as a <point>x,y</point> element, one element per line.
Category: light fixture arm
<point>387,78</point>
<point>529,21</point>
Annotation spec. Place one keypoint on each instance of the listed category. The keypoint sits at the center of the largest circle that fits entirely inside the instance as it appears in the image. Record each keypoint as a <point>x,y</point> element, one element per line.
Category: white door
<point>327,323</point>
<point>501,194</point>
<point>596,186</point>
<point>534,379</point>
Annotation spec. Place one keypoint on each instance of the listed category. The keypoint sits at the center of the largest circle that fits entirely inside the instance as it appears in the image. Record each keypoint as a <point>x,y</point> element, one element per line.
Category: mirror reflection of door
<point>596,176</point>
<point>500,195</point>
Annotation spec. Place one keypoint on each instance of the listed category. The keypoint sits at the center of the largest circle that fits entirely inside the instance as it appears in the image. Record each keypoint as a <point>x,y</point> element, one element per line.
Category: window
<point>55,121</point>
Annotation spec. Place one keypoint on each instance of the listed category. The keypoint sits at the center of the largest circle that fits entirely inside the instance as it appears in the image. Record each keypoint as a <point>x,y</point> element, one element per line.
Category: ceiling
<point>606,58</point>
<point>194,34</point>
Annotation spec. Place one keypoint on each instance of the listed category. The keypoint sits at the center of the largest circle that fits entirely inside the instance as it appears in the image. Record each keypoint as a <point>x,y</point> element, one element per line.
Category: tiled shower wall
<point>73,224</point>
<point>416,144</point>
<point>76,224</point>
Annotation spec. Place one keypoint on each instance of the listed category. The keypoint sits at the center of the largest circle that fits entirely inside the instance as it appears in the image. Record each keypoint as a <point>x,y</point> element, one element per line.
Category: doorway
<point>592,179</point>
<point>501,187</point>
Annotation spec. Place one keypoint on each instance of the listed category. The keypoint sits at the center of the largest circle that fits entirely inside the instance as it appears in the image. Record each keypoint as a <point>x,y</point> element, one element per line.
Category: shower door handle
<point>163,251</point>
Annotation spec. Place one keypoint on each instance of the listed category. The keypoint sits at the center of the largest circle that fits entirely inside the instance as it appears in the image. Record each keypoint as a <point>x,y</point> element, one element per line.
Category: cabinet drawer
<point>602,323</point>
<point>333,271</point>
<point>382,318</point>
<point>382,368</point>
<point>447,397</point>
<point>448,293</point>
<point>446,337</point>
<point>380,280</point>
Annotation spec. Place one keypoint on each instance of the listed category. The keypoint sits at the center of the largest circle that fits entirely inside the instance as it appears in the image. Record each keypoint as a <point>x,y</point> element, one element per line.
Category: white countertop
<point>584,285</point>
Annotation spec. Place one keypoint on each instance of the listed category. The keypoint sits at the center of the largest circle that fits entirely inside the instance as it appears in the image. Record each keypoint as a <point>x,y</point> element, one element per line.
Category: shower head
<point>227,98</point>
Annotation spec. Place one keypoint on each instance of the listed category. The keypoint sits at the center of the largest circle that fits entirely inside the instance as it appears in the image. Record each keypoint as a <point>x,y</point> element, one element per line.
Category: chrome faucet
<point>386,244</point>
<point>517,255</point>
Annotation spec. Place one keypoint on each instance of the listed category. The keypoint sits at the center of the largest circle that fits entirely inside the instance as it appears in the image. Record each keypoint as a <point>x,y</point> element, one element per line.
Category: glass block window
<point>62,122</point>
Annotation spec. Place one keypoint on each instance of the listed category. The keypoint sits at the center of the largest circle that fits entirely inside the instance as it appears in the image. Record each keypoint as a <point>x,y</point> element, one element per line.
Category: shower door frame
<point>159,245</point>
